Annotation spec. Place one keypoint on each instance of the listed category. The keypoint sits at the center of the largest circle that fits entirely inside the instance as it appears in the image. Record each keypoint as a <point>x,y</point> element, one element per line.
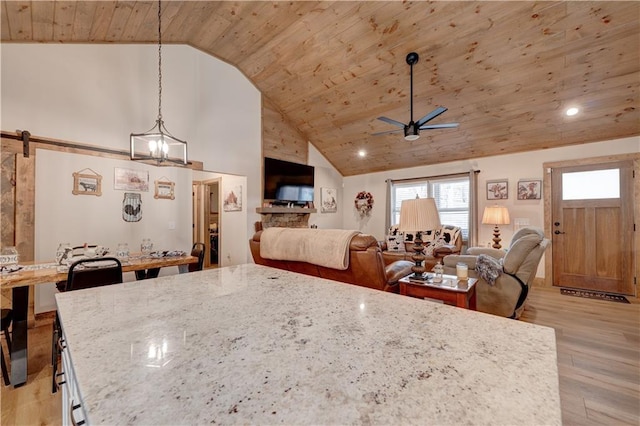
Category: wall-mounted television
<point>287,182</point>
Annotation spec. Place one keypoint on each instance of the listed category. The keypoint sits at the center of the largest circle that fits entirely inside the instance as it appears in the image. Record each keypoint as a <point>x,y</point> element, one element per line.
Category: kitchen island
<point>252,344</point>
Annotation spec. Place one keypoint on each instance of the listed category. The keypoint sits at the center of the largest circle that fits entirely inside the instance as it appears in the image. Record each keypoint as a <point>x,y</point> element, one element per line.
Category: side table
<point>451,291</point>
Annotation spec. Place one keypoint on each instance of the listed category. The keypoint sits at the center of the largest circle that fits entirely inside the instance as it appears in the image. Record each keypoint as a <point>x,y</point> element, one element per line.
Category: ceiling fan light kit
<point>412,129</point>
<point>411,133</point>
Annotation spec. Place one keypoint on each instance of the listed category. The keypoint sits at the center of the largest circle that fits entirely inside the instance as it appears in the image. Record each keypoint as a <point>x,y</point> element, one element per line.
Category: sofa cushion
<point>519,250</point>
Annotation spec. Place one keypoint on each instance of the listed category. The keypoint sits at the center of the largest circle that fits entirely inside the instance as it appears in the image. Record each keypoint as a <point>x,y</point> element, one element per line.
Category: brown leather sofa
<point>366,267</point>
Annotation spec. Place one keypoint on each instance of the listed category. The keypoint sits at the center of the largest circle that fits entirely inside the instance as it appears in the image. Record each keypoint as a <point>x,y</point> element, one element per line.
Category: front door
<point>592,225</point>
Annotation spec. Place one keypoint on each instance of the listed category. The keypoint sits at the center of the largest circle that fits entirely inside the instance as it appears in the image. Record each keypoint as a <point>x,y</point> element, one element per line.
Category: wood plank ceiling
<point>506,70</point>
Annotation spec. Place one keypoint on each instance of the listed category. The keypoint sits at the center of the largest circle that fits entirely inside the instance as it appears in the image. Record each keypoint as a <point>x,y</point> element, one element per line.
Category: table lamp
<point>418,215</point>
<point>495,215</point>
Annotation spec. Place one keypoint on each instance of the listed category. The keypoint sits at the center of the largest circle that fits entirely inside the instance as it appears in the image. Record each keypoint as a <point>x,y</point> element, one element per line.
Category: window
<point>591,185</point>
<point>451,196</point>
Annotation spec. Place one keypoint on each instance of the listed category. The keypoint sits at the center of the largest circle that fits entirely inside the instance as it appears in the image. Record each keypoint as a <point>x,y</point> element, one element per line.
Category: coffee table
<point>451,291</point>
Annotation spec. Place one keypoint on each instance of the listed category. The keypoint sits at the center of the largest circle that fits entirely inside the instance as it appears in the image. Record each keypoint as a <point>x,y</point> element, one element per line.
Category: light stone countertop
<point>256,345</point>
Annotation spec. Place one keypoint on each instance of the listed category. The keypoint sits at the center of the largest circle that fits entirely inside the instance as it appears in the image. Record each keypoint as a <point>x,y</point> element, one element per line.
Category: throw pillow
<point>488,268</point>
<point>449,233</point>
<point>395,240</point>
<point>428,251</point>
<point>430,235</point>
<point>427,236</point>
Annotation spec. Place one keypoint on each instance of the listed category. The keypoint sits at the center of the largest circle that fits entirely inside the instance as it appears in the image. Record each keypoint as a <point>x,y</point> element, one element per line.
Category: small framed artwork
<point>131,180</point>
<point>89,183</point>
<point>498,189</point>
<point>529,189</point>
<point>233,199</point>
<point>328,201</point>
<point>164,190</point>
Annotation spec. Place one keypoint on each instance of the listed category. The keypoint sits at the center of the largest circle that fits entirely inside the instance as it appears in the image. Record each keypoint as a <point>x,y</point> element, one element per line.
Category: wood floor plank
<point>603,414</point>
<point>598,355</point>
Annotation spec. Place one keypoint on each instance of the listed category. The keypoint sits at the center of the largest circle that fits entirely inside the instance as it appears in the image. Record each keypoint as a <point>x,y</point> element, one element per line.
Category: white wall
<point>99,94</point>
<point>512,167</point>
<point>326,176</point>
<point>78,219</point>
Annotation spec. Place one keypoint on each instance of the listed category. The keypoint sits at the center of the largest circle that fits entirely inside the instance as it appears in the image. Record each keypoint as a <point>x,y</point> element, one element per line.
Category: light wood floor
<point>598,361</point>
<point>598,355</point>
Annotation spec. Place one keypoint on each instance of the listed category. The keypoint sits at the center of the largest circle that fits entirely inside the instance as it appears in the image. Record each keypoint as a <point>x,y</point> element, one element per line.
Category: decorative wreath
<point>363,202</point>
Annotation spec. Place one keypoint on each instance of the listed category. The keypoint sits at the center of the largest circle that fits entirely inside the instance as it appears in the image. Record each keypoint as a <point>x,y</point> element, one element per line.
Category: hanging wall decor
<point>328,200</point>
<point>232,201</point>
<point>164,189</point>
<point>498,189</point>
<point>364,203</point>
<point>88,183</point>
<point>529,189</point>
<point>132,207</point>
<point>131,180</point>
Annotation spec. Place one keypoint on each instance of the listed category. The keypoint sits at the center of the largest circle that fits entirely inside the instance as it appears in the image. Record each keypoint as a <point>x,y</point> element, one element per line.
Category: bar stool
<point>7,318</point>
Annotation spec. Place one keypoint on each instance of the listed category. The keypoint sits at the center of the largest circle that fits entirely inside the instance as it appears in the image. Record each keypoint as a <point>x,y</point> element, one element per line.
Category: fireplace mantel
<point>284,210</point>
<point>285,217</point>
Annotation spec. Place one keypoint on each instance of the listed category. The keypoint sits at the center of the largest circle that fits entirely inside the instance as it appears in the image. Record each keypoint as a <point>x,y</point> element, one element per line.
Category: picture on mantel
<point>232,201</point>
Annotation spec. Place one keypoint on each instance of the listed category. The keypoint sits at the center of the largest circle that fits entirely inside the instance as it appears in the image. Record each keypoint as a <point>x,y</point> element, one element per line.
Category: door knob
<point>557,232</point>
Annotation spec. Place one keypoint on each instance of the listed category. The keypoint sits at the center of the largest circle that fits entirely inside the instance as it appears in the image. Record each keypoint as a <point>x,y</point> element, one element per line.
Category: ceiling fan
<point>412,130</point>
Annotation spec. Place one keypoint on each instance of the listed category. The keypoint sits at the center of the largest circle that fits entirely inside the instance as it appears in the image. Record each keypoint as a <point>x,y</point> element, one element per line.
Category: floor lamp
<point>418,215</point>
<point>496,215</point>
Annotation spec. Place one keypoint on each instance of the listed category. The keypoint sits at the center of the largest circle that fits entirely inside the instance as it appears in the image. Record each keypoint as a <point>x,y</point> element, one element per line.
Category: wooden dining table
<point>34,273</point>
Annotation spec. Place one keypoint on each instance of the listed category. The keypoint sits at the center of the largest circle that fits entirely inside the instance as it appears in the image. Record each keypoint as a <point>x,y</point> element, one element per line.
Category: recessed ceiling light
<point>571,111</point>
<point>362,153</point>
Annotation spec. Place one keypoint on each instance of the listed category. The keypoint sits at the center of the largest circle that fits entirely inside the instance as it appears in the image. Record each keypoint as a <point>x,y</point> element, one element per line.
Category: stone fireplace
<point>285,217</point>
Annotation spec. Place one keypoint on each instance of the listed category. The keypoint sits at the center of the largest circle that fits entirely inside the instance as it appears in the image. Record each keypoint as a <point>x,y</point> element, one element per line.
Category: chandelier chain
<point>160,62</point>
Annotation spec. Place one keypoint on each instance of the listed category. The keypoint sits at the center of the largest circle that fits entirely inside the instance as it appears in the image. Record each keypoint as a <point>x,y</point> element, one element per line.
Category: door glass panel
<point>591,185</point>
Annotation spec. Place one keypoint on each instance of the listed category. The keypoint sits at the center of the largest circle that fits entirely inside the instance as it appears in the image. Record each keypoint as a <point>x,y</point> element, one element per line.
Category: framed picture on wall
<point>87,182</point>
<point>164,190</point>
<point>328,200</point>
<point>498,189</point>
<point>529,189</point>
<point>232,201</point>
<point>131,180</point>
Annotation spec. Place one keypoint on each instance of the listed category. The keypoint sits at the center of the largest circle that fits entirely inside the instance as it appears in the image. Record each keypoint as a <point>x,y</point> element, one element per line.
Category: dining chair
<point>198,251</point>
<point>7,317</point>
<point>83,274</point>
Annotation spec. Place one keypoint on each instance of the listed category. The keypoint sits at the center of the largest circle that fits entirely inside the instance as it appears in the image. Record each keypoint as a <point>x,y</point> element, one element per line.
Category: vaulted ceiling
<point>507,71</point>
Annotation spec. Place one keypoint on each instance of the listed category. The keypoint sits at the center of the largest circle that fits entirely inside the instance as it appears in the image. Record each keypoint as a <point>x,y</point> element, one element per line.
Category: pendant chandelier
<point>157,144</point>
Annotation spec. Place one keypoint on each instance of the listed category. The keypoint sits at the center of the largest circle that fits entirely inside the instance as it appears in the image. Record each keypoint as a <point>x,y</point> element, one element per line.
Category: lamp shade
<point>495,215</point>
<point>418,214</point>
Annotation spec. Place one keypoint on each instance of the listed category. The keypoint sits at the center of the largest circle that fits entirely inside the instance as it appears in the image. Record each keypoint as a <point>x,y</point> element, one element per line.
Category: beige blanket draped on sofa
<point>326,247</point>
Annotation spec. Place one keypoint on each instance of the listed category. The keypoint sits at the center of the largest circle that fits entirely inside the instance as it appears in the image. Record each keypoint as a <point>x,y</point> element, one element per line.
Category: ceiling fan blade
<point>391,121</point>
<point>387,132</point>
<point>433,114</point>
<point>439,126</point>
